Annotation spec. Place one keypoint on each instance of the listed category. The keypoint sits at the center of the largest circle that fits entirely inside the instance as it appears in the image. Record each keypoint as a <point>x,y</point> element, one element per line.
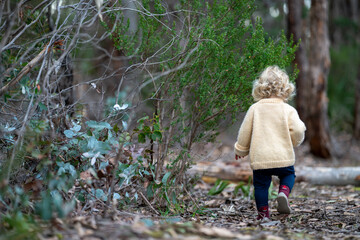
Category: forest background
<point>102,102</point>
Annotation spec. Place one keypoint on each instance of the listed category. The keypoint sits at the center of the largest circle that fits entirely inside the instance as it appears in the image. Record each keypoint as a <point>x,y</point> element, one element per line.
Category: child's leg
<point>261,182</point>
<point>287,180</point>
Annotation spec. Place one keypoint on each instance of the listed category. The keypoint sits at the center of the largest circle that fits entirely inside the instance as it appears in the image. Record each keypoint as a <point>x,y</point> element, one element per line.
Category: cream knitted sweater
<point>270,131</point>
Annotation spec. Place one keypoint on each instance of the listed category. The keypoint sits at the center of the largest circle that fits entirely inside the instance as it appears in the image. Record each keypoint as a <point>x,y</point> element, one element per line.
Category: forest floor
<point>318,212</point>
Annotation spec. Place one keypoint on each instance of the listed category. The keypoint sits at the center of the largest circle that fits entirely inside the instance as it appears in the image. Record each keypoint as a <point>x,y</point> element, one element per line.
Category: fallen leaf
<point>86,175</point>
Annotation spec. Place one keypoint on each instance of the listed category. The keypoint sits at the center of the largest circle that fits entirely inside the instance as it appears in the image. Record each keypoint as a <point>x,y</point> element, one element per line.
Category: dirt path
<point>319,212</point>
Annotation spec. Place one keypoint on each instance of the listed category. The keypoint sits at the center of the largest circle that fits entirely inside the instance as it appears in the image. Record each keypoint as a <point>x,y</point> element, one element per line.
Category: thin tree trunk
<point>319,65</point>
<point>357,93</point>
<point>295,23</point>
<point>357,108</point>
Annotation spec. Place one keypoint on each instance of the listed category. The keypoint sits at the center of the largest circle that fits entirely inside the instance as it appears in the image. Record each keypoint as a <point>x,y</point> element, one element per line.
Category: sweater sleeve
<point>297,128</point>
<point>242,144</point>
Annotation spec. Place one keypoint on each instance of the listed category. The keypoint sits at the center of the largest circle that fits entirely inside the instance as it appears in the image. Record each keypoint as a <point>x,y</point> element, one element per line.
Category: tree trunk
<point>319,65</point>
<point>357,108</point>
<point>295,23</point>
<point>357,92</point>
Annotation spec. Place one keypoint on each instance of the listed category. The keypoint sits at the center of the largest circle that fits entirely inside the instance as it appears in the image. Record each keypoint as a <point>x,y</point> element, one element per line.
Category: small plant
<point>272,192</point>
<point>221,185</point>
<point>17,225</point>
<point>245,189</point>
<point>218,187</point>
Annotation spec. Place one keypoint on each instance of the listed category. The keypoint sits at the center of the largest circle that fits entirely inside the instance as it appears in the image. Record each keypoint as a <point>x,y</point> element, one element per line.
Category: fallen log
<point>329,175</point>
<point>234,171</point>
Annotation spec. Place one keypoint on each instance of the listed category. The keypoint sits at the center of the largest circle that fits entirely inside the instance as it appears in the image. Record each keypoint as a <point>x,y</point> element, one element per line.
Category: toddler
<point>269,132</point>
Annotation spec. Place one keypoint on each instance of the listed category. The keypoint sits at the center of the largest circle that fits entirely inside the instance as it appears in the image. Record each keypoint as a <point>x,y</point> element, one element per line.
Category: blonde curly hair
<point>273,82</point>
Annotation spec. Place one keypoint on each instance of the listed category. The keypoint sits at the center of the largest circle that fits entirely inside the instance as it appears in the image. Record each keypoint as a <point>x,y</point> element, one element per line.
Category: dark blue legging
<point>262,180</point>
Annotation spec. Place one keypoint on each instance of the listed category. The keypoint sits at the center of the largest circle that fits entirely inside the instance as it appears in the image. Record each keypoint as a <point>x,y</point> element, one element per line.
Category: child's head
<point>273,82</point>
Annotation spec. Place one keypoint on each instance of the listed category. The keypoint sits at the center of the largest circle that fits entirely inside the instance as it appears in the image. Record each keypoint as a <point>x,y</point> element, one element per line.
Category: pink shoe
<point>282,200</point>
<point>263,213</point>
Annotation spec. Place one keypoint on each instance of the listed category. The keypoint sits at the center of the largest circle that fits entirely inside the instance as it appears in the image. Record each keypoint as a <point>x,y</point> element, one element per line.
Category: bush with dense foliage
<point>195,65</point>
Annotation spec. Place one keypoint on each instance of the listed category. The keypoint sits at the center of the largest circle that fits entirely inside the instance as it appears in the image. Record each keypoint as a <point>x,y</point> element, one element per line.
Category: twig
<point>148,203</point>
<point>192,199</point>
<point>112,183</point>
<point>27,68</point>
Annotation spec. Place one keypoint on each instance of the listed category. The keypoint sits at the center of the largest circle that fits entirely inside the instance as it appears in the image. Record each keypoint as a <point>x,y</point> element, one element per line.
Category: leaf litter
<point>318,212</point>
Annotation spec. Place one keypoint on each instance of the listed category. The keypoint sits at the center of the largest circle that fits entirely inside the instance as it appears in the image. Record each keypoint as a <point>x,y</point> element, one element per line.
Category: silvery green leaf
<point>93,160</point>
<point>88,154</point>
<point>122,175</point>
<point>76,128</point>
<point>71,169</point>
<point>92,143</point>
<point>64,148</point>
<point>7,128</point>
<point>116,196</point>
<point>125,125</point>
<point>99,193</point>
<point>69,133</point>
<point>61,171</point>
<point>103,165</point>
<point>117,107</point>
<point>98,125</point>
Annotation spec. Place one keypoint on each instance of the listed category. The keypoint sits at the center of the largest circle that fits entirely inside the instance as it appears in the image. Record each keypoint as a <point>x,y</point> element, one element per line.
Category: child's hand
<point>237,157</point>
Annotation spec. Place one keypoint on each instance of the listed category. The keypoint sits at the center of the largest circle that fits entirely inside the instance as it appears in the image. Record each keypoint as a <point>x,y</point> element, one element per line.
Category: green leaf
<point>43,208</point>
<point>98,125</point>
<point>141,138</point>
<point>156,127</point>
<point>150,191</point>
<point>165,178</point>
<point>167,197</point>
<point>116,196</point>
<point>218,187</point>
<point>156,135</point>
<point>147,129</point>
<point>76,128</point>
<point>6,96</point>
<point>143,119</point>
<point>236,190</point>
<point>99,193</point>
<point>69,133</point>
<point>116,128</point>
<point>174,198</point>
<point>42,107</point>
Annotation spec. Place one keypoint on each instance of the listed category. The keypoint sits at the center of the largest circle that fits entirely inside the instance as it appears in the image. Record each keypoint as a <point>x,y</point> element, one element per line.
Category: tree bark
<point>319,65</point>
<point>295,23</point>
<point>357,92</point>
<point>357,108</point>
